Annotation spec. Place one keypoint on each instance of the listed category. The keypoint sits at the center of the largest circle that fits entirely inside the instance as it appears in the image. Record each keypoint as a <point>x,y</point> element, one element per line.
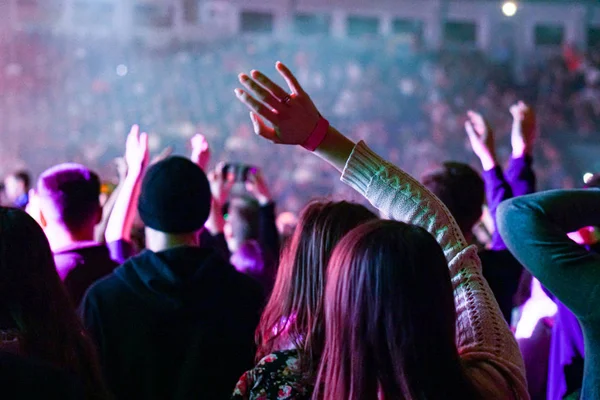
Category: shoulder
<point>276,376</point>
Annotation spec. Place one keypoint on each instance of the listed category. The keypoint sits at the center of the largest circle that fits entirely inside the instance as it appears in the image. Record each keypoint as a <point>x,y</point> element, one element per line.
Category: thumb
<point>261,129</point>
<point>473,136</point>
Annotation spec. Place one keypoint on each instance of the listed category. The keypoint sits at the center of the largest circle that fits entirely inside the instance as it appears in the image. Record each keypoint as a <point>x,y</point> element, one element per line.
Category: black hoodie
<point>177,324</point>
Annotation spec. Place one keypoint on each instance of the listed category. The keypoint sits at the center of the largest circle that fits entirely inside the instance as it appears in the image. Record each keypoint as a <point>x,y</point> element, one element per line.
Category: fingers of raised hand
<point>261,129</point>
<point>256,106</point>
<point>268,84</point>
<point>261,93</point>
<point>289,78</point>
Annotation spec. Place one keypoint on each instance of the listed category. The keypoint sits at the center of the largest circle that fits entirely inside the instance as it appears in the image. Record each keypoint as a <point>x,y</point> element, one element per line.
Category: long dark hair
<point>33,297</point>
<point>294,313</point>
<point>390,319</point>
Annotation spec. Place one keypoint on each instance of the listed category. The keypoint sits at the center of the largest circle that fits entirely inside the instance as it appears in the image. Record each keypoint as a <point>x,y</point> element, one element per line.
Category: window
<point>153,16</point>
<point>407,27</point>
<point>85,13</point>
<point>549,35</point>
<point>256,22</point>
<point>311,24</point>
<point>360,26</point>
<point>460,32</point>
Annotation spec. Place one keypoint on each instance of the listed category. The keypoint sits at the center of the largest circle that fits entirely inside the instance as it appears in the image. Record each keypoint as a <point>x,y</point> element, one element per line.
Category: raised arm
<point>519,173</point>
<point>122,216</point>
<point>535,229</point>
<point>497,189</point>
<point>484,340</point>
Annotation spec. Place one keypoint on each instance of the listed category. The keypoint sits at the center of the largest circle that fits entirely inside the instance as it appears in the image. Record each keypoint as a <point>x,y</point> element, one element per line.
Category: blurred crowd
<point>74,99</point>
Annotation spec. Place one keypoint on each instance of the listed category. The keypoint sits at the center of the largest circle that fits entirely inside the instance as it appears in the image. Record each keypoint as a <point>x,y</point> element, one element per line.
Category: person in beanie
<point>176,321</point>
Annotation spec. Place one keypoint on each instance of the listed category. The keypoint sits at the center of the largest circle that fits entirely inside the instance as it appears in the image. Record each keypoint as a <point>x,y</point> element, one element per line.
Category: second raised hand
<point>293,116</point>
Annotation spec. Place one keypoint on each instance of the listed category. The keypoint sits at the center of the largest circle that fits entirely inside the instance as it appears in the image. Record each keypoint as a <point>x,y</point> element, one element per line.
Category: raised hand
<point>220,185</point>
<point>257,187</point>
<point>137,154</point>
<point>523,129</point>
<point>481,137</point>
<point>200,151</point>
<point>166,152</point>
<point>293,116</point>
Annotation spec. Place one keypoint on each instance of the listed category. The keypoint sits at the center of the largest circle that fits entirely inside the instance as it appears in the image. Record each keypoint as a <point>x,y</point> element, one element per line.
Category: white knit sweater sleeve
<point>486,345</point>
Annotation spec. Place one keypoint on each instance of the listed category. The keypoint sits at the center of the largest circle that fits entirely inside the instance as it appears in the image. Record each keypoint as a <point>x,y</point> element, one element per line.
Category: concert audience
<point>377,275</point>
<point>40,334</point>
<point>175,321</point>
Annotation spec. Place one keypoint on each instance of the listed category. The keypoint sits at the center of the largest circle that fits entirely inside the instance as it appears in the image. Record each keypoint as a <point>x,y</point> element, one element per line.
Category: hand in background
<point>220,187</point>
<point>121,165</point>
<point>200,151</point>
<point>524,132</point>
<point>166,152</point>
<point>293,116</point>
<point>257,187</point>
<point>137,154</point>
<point>481,137</point>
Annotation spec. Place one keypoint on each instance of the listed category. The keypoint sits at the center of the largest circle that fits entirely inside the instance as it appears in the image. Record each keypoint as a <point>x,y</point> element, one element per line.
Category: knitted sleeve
<point>487,347</point>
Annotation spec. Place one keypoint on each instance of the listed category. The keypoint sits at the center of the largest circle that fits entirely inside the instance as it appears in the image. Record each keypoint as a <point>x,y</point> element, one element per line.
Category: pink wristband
<point>318,134</point>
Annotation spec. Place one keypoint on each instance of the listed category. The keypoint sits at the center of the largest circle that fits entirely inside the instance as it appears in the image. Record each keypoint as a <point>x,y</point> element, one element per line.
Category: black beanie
<point>175,196</point>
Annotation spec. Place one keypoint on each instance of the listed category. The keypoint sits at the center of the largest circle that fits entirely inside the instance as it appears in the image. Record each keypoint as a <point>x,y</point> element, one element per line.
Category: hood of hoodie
<point>175,279</point>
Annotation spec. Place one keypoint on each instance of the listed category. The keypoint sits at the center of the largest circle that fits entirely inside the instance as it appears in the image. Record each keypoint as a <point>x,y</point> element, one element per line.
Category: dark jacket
<point>178,324</point>
<point>81,265</point>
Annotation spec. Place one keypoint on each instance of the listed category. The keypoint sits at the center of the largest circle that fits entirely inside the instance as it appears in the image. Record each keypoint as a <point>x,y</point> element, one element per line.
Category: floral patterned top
<point>275,377</point>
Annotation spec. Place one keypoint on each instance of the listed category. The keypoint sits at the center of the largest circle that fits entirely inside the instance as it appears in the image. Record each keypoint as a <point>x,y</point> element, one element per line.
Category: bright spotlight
<point>587,177</point>
<point>509,8</point>
<point>122,70</point>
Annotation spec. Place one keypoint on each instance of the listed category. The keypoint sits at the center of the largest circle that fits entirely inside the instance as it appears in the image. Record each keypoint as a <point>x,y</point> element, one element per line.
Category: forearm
<point>100,230</point>
<point>335,149</point>
<point>121,219</point>
<point>497,190</point>
<point>535,228</point>
<point>520,175</point>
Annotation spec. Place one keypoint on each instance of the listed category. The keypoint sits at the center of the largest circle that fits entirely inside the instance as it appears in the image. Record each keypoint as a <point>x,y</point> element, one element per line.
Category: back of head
<point>242,223</point>
<point>461,189</point>
<point>32,296</point>
<point>390,317</point>
<point>17,185</point>
<point>175,197</point>
<point>294,312</point>
<point>69,195</point>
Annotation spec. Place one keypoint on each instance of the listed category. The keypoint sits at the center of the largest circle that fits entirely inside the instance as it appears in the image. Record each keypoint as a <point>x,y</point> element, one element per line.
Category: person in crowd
<point>175,321</point>
<point>385,336</point>
<point>535,228</point>
<point>40,333</point>
<point>464,191</point>
<point>567,348</point>
<point>16,189</point>
<point>68,201</point>
<point>291,333</point>
<point>251,232</point>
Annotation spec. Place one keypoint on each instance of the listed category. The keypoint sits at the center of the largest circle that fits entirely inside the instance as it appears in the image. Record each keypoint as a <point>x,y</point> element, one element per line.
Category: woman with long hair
<point>37,319</point>
<point>290,333</point>
<point>398,324</point>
